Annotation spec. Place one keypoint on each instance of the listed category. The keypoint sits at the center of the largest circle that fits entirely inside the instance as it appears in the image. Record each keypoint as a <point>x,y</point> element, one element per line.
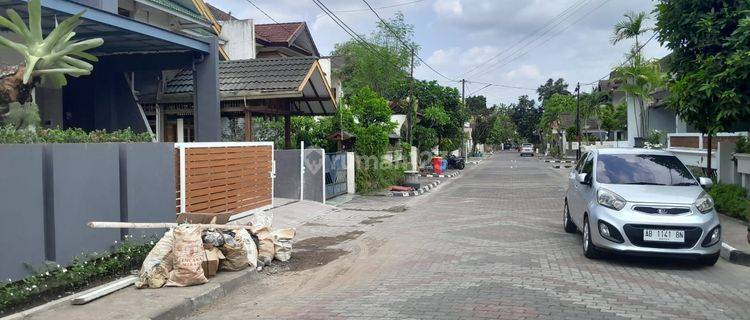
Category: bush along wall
<point>730,200</point>
<point>9,134</point>
<point>55,281</point>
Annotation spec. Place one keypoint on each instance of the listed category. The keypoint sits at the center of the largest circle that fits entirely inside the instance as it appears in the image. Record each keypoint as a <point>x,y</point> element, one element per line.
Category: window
<point>643,169</point>
<point>579,164</point>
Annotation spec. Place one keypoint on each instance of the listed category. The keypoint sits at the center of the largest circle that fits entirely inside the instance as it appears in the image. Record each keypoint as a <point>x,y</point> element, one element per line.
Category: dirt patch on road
<point>315,224</point>
<point>314,252</point>
<point>375,220</point>
<point>309,259</point>
<point>317,243</point>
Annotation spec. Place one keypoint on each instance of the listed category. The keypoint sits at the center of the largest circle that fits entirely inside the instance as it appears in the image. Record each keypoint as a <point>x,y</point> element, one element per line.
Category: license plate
<point>664,235</point>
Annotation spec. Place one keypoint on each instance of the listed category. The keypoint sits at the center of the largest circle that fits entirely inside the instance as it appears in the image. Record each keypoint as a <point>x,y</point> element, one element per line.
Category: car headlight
<point>610,199</point>
<point>704,203</point>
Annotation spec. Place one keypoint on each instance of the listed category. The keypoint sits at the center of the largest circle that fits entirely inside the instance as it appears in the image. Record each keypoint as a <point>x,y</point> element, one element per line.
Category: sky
<point>516,43</point>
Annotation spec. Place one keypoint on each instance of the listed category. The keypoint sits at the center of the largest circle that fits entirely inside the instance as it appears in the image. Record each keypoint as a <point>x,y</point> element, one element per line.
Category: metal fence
<point>336,174</point>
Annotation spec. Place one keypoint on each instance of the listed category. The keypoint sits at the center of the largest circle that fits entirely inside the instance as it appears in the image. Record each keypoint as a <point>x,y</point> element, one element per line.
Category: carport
<point>106,99</point>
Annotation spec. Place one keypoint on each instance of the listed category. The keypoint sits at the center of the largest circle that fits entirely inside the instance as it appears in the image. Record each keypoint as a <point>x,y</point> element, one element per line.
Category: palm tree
<point>640,78</point>
<point>631,27</point>
<point>46,59</point>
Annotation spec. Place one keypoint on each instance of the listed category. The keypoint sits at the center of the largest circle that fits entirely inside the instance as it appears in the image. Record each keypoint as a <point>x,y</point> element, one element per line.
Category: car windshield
<point>643,169</point>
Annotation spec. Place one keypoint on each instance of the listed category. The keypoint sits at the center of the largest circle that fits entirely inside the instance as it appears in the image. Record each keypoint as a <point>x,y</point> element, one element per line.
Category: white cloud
<point>448,7</point>
<point>524,72</point>
<point>478,54</point>
<point>443,57</point>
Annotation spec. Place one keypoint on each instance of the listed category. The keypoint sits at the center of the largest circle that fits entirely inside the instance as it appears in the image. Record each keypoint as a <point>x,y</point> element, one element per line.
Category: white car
<point>527,149</point>
<point>641,202</point>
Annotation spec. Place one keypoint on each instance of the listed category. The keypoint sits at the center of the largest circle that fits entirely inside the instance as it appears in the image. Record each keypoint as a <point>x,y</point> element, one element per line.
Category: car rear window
<point>527,145</point>
<point>644,169</point>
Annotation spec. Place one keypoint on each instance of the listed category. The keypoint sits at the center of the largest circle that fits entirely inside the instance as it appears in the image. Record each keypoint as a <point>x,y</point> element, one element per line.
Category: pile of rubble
<point>189,254</point>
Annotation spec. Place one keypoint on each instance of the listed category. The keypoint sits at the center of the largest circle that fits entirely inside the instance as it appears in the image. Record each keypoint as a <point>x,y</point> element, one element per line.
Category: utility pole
<point>463,100</point>
<point>411,112</point>
<point>578,119</point>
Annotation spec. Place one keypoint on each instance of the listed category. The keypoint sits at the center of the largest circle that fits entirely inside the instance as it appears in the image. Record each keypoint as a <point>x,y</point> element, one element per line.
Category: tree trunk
<point>708,157</point>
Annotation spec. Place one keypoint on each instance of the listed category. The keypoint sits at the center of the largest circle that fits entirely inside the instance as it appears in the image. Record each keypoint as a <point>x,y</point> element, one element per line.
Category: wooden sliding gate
<point>235,177</point>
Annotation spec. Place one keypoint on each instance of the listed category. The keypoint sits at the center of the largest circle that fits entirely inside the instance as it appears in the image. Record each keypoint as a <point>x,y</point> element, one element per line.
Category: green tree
<point>448,131</point>
<point>476,105</point>
<point>639,79</point>
<point>373,122</point>
<point>552,87</point>
<point>526,115</point>
<point>503,130</point>
<point>632,27</point>
<point>382,64</point>
<point>710,61</point>
<point>613,117</point>
<point>481,131</point>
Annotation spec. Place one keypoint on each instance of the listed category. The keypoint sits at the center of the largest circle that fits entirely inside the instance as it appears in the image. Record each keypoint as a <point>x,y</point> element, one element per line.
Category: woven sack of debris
<point>155,268</point>
<point>234,251</point>
<point>252,249</point>
<point>188,257</point>
<point>282,243</point>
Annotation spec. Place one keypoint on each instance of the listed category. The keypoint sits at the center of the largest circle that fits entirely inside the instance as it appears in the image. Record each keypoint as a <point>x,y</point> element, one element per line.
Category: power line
<point>388,26</point>
<point>550,22</point>
<point>624,62</point>
<point>495,65</point>
<point>378,8</point>
<point>268,15</point>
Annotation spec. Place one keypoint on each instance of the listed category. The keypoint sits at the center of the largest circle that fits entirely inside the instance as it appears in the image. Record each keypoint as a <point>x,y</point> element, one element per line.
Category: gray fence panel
<point>22,209</point>
<point>287,181</point>
<point>314,173</point>
<point>336,174</point>
<point>147,184</point>
<point>84,185</point>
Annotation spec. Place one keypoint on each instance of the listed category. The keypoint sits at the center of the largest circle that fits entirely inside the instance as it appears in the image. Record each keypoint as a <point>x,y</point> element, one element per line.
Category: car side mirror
<point>582,178</point>
<point>705,182</point>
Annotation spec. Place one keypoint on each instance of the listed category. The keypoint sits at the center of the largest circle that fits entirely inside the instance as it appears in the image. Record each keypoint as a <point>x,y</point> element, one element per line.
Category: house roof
<point>299,79</point>
<point>219,14</point>
<point>176,6</point>
<point>278,32</point>
<point>290,35</point>
<point>120,34</point>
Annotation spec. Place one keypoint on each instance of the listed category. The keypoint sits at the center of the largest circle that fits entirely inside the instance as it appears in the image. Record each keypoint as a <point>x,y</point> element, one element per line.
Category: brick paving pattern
<point>486,245</point>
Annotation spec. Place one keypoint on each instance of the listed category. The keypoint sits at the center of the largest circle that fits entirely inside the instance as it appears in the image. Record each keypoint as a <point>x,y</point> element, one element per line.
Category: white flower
<point>47,273</point>
<point>34,286</point>
<point>58,266</point>
<point>65,270</point>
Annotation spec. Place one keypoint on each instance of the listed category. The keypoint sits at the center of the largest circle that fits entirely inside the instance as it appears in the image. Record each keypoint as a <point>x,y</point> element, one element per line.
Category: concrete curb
<point>209,296</point>
<point>733,255</point>
<point>417,192</point>
<point>433,175</point>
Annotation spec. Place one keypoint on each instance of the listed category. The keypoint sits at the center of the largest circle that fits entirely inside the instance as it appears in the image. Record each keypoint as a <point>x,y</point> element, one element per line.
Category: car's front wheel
<point>568,224</point>
<point>709,260</point>
<point>589,250</point>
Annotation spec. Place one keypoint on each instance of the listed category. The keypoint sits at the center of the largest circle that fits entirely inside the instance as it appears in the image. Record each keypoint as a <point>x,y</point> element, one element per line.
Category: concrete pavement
<point>486,245</point>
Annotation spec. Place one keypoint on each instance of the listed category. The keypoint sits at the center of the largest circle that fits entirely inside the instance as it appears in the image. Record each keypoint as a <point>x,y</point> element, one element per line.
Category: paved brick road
<point>487,245</point>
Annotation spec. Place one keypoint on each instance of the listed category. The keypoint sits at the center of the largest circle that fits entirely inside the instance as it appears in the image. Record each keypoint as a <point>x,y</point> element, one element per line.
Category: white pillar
<point>350,172</point>
<point>634,118</point>
<point>180,130</point>
<point>159,125</point>
<point>301,170</point>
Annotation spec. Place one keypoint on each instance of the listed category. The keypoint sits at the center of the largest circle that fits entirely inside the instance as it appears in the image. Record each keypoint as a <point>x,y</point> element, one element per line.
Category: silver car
<point>527,149</point>
<point>643,202</point>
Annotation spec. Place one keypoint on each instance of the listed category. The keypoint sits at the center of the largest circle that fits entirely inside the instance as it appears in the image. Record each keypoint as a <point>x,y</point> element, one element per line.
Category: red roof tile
<point>277,32</point>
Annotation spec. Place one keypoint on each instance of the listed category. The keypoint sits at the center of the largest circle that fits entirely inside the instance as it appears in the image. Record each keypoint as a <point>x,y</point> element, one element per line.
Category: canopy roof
<point>121,34</point>
<point>297,79</point>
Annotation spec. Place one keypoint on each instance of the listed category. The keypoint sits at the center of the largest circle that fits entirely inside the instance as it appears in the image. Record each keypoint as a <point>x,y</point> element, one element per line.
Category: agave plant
<point>48,59</point>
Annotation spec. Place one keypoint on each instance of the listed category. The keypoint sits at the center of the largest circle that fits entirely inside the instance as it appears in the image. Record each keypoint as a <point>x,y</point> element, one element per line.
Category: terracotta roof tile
<point>277,32</point>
